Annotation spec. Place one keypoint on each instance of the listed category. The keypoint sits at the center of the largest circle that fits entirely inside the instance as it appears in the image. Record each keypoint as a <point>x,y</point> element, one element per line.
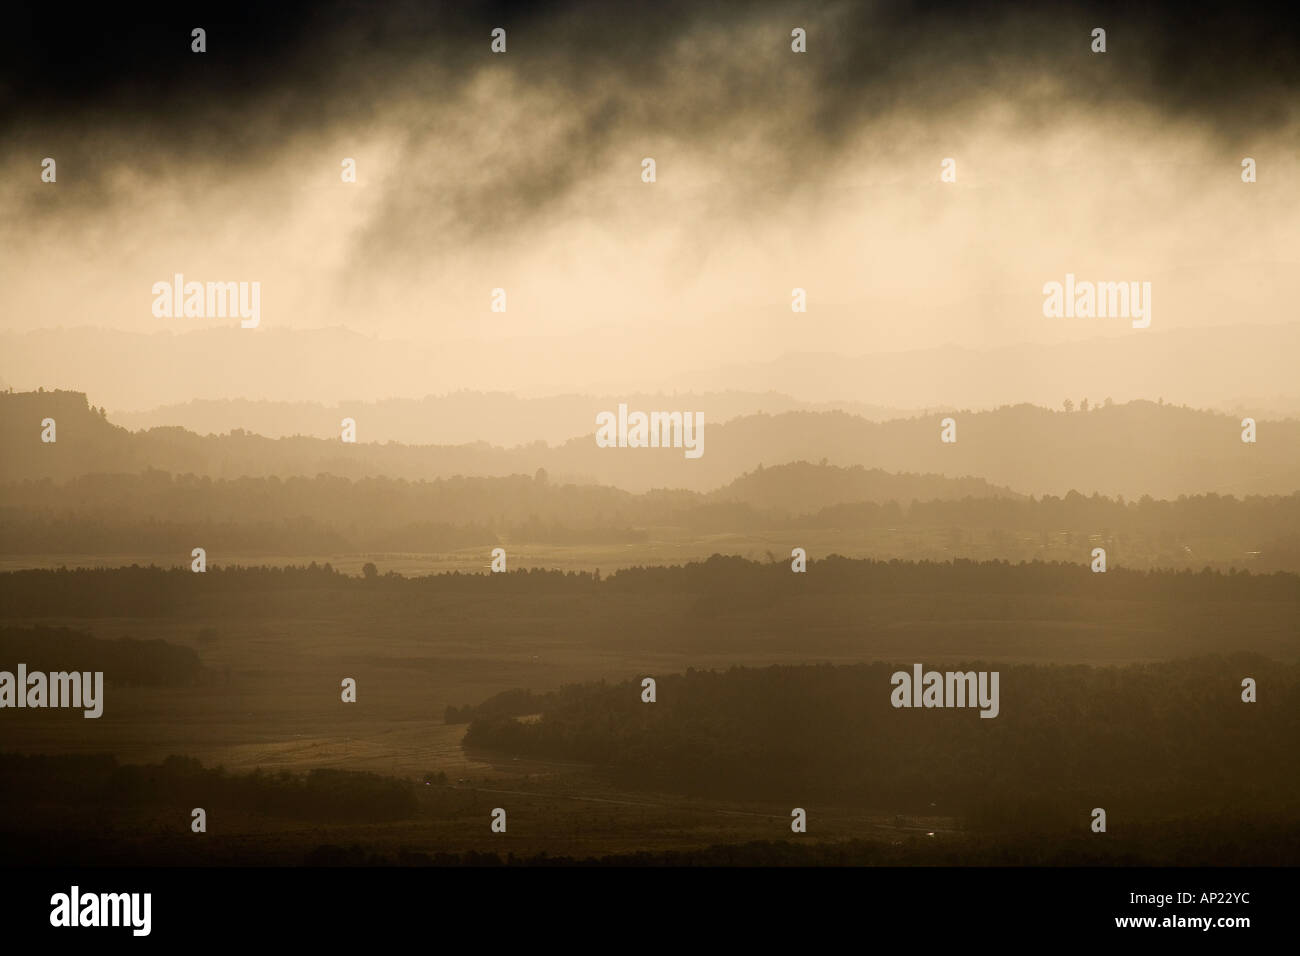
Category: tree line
<point>155,511</point>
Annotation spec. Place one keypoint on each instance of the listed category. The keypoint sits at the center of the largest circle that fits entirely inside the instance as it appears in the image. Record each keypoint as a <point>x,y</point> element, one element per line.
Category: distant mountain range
<point>1203,367</point>
<point>464,417</point>
<point>1135,449</point>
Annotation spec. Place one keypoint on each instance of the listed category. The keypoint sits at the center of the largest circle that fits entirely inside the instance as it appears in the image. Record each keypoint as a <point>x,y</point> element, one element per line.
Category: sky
<point>775,170</point>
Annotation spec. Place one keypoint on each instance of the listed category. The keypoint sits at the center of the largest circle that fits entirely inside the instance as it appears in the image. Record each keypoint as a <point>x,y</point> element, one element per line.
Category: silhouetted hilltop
<point>801,487</point>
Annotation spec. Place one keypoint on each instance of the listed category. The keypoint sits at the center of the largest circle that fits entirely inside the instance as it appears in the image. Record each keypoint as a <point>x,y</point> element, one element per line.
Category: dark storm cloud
<point>317,63</point>
<point>121,88</point>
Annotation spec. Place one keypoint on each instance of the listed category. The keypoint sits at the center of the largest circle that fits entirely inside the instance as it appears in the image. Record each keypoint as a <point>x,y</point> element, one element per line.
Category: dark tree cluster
<point>1152,740</point>
<point>123,660</point>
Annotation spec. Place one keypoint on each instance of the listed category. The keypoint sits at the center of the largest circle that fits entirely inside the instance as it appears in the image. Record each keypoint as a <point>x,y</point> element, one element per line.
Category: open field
<point>675,546</point>
<point>275,647</point>
<point>271,698</point>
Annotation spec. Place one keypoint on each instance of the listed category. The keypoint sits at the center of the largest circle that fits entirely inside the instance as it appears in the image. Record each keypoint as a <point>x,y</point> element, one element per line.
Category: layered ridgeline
<point>498,418</point>
<point>97,503</point>
<point>1135,449</point>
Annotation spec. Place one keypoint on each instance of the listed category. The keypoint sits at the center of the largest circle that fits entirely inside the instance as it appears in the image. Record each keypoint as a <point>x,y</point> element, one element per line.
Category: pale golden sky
<point>516,171</point>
